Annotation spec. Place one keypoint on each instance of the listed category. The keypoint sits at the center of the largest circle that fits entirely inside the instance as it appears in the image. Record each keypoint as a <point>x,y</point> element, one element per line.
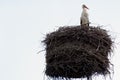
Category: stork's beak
<point>86,7</point>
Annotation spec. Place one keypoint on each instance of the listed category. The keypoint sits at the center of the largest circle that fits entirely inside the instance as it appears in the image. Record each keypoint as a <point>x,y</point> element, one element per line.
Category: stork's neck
<point>84,10</point>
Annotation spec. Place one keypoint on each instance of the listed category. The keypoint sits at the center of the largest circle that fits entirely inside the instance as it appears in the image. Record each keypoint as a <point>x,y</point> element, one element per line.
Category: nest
<point>77,52</point>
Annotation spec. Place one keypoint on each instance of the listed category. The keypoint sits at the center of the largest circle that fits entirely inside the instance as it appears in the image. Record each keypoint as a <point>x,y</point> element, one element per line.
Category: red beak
<point>86,7</point>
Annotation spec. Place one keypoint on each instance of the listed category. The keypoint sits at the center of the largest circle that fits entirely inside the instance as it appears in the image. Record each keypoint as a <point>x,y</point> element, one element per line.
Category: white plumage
<point>84,20</point>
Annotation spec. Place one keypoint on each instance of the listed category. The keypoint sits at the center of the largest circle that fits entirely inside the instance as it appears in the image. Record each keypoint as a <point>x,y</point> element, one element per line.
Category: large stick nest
<point>77,52</point>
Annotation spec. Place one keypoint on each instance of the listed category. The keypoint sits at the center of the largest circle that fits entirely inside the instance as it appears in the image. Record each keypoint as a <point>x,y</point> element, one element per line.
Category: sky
<point>24,24</point>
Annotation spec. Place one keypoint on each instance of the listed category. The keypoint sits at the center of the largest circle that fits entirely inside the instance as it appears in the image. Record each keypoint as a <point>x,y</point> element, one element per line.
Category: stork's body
<point>84,20</point>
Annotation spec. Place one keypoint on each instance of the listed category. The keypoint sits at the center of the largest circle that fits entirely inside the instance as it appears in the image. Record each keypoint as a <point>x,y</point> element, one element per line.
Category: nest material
<point>77,52</point>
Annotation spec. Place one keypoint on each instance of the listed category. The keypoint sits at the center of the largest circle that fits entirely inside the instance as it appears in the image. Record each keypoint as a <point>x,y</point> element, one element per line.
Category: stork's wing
<point>80,21</point>
<point>86,15</point>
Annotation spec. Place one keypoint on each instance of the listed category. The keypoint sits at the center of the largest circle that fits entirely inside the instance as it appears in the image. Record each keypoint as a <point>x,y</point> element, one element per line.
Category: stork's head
<point>84,6</point>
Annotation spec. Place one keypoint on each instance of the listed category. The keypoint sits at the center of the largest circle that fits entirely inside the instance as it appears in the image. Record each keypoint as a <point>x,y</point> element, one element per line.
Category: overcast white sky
<point>23,24</point>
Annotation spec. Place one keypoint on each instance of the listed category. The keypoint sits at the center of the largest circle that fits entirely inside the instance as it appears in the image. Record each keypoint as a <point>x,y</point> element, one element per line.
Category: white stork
<point>84,20</point>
